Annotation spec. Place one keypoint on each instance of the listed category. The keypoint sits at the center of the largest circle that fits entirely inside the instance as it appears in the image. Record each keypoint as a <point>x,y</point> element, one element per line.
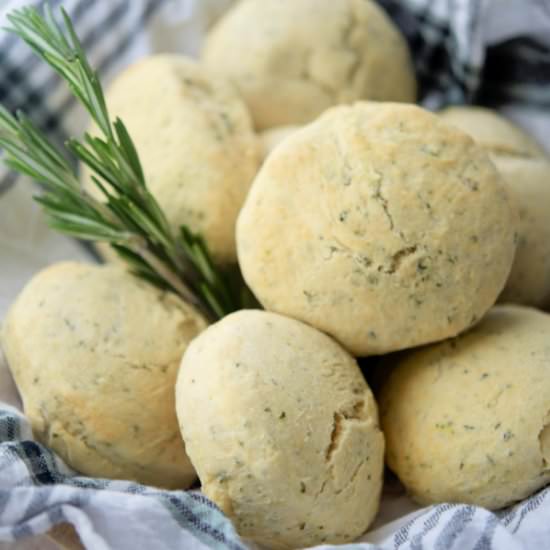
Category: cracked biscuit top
<point>94,353</point>
<point>282,430</point>
<point>380,225</point>
<point>292,59</point>
<point>468,420</point>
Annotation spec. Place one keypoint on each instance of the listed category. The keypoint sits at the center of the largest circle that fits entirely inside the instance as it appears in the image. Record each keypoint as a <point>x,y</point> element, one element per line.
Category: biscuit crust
<point>468,420</point>
<point>282,429</point>
<point>94,353</point>
<point>380,225</point>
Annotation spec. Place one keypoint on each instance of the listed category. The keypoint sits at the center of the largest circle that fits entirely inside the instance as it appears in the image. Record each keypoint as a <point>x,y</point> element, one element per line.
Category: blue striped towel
<point>38,491</point>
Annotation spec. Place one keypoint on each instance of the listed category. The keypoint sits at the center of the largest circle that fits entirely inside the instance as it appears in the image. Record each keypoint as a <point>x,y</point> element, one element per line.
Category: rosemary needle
<point>129,217</point>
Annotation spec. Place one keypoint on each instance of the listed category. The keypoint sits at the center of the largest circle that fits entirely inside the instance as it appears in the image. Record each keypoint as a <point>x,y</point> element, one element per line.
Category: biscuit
<point>525,170</point>
<point>495,133</point>
<point>272,137</point>
<point>194,137</point>
<point>293,59</point>
<point>94,353</point>
<point>282,430</point>
<point>468,420</point>
<point>380,225</point>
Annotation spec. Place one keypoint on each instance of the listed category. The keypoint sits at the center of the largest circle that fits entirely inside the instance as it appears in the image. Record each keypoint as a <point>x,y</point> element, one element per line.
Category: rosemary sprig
<point>129,218</point>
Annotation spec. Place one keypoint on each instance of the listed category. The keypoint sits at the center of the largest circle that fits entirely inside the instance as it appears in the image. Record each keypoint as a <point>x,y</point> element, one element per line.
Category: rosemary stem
<point>126,214</point>
<point>170,276</point>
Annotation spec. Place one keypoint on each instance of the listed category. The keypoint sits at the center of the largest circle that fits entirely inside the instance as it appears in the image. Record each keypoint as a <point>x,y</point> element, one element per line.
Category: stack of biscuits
<point>365,226</point>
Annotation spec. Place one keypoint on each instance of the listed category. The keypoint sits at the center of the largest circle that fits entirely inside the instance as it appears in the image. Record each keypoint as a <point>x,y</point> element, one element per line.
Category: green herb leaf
<point>129,217</point>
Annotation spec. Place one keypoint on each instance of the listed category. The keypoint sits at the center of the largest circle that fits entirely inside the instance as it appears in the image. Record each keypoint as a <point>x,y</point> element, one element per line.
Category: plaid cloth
<point>38,491</point>
<point>460,56</point>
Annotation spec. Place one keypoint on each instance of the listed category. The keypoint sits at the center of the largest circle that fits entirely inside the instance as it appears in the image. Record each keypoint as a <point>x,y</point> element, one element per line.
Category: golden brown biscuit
<point>529,184</point>
<point>292,59</point>
<point>282,429</point>
<point>94,353</point>
<point>195,140</point>
<point>526,171</point>
<point>380,225</point>
<point>468,420</point>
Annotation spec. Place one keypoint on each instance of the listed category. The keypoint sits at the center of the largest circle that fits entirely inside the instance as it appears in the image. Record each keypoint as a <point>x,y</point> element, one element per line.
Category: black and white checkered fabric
<point>37,491</point>
<point>457,60</point>
<point>113,34</point>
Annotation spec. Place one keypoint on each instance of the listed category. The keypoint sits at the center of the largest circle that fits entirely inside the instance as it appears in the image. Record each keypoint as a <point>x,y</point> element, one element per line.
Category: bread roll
<point>529,184</point>
<point>495,133</point>
<point>282,429</point>
<point>194,136</point>
<point>292,59</point>
<point>380,225</point>
<point>272,137</point>
<point>526,172</point>
<point>468,420</point>
<point>94,353</point>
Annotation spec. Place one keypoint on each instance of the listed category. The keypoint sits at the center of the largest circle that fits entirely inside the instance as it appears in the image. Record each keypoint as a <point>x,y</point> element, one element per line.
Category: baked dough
<point>529,184</point>
<point>468,420</point>
<point>292,59</point>
<point>195,140</point>
<point>526,171</point>
<point>94,353</point>
<point>272,137</point>
<point>282,429</point>
<point>495,133</point>
<point>380,225</point>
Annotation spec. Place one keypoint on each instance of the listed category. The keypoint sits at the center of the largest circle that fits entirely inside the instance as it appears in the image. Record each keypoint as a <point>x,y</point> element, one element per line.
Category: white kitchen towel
<point>38,491</point>
<point>495,52</point>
